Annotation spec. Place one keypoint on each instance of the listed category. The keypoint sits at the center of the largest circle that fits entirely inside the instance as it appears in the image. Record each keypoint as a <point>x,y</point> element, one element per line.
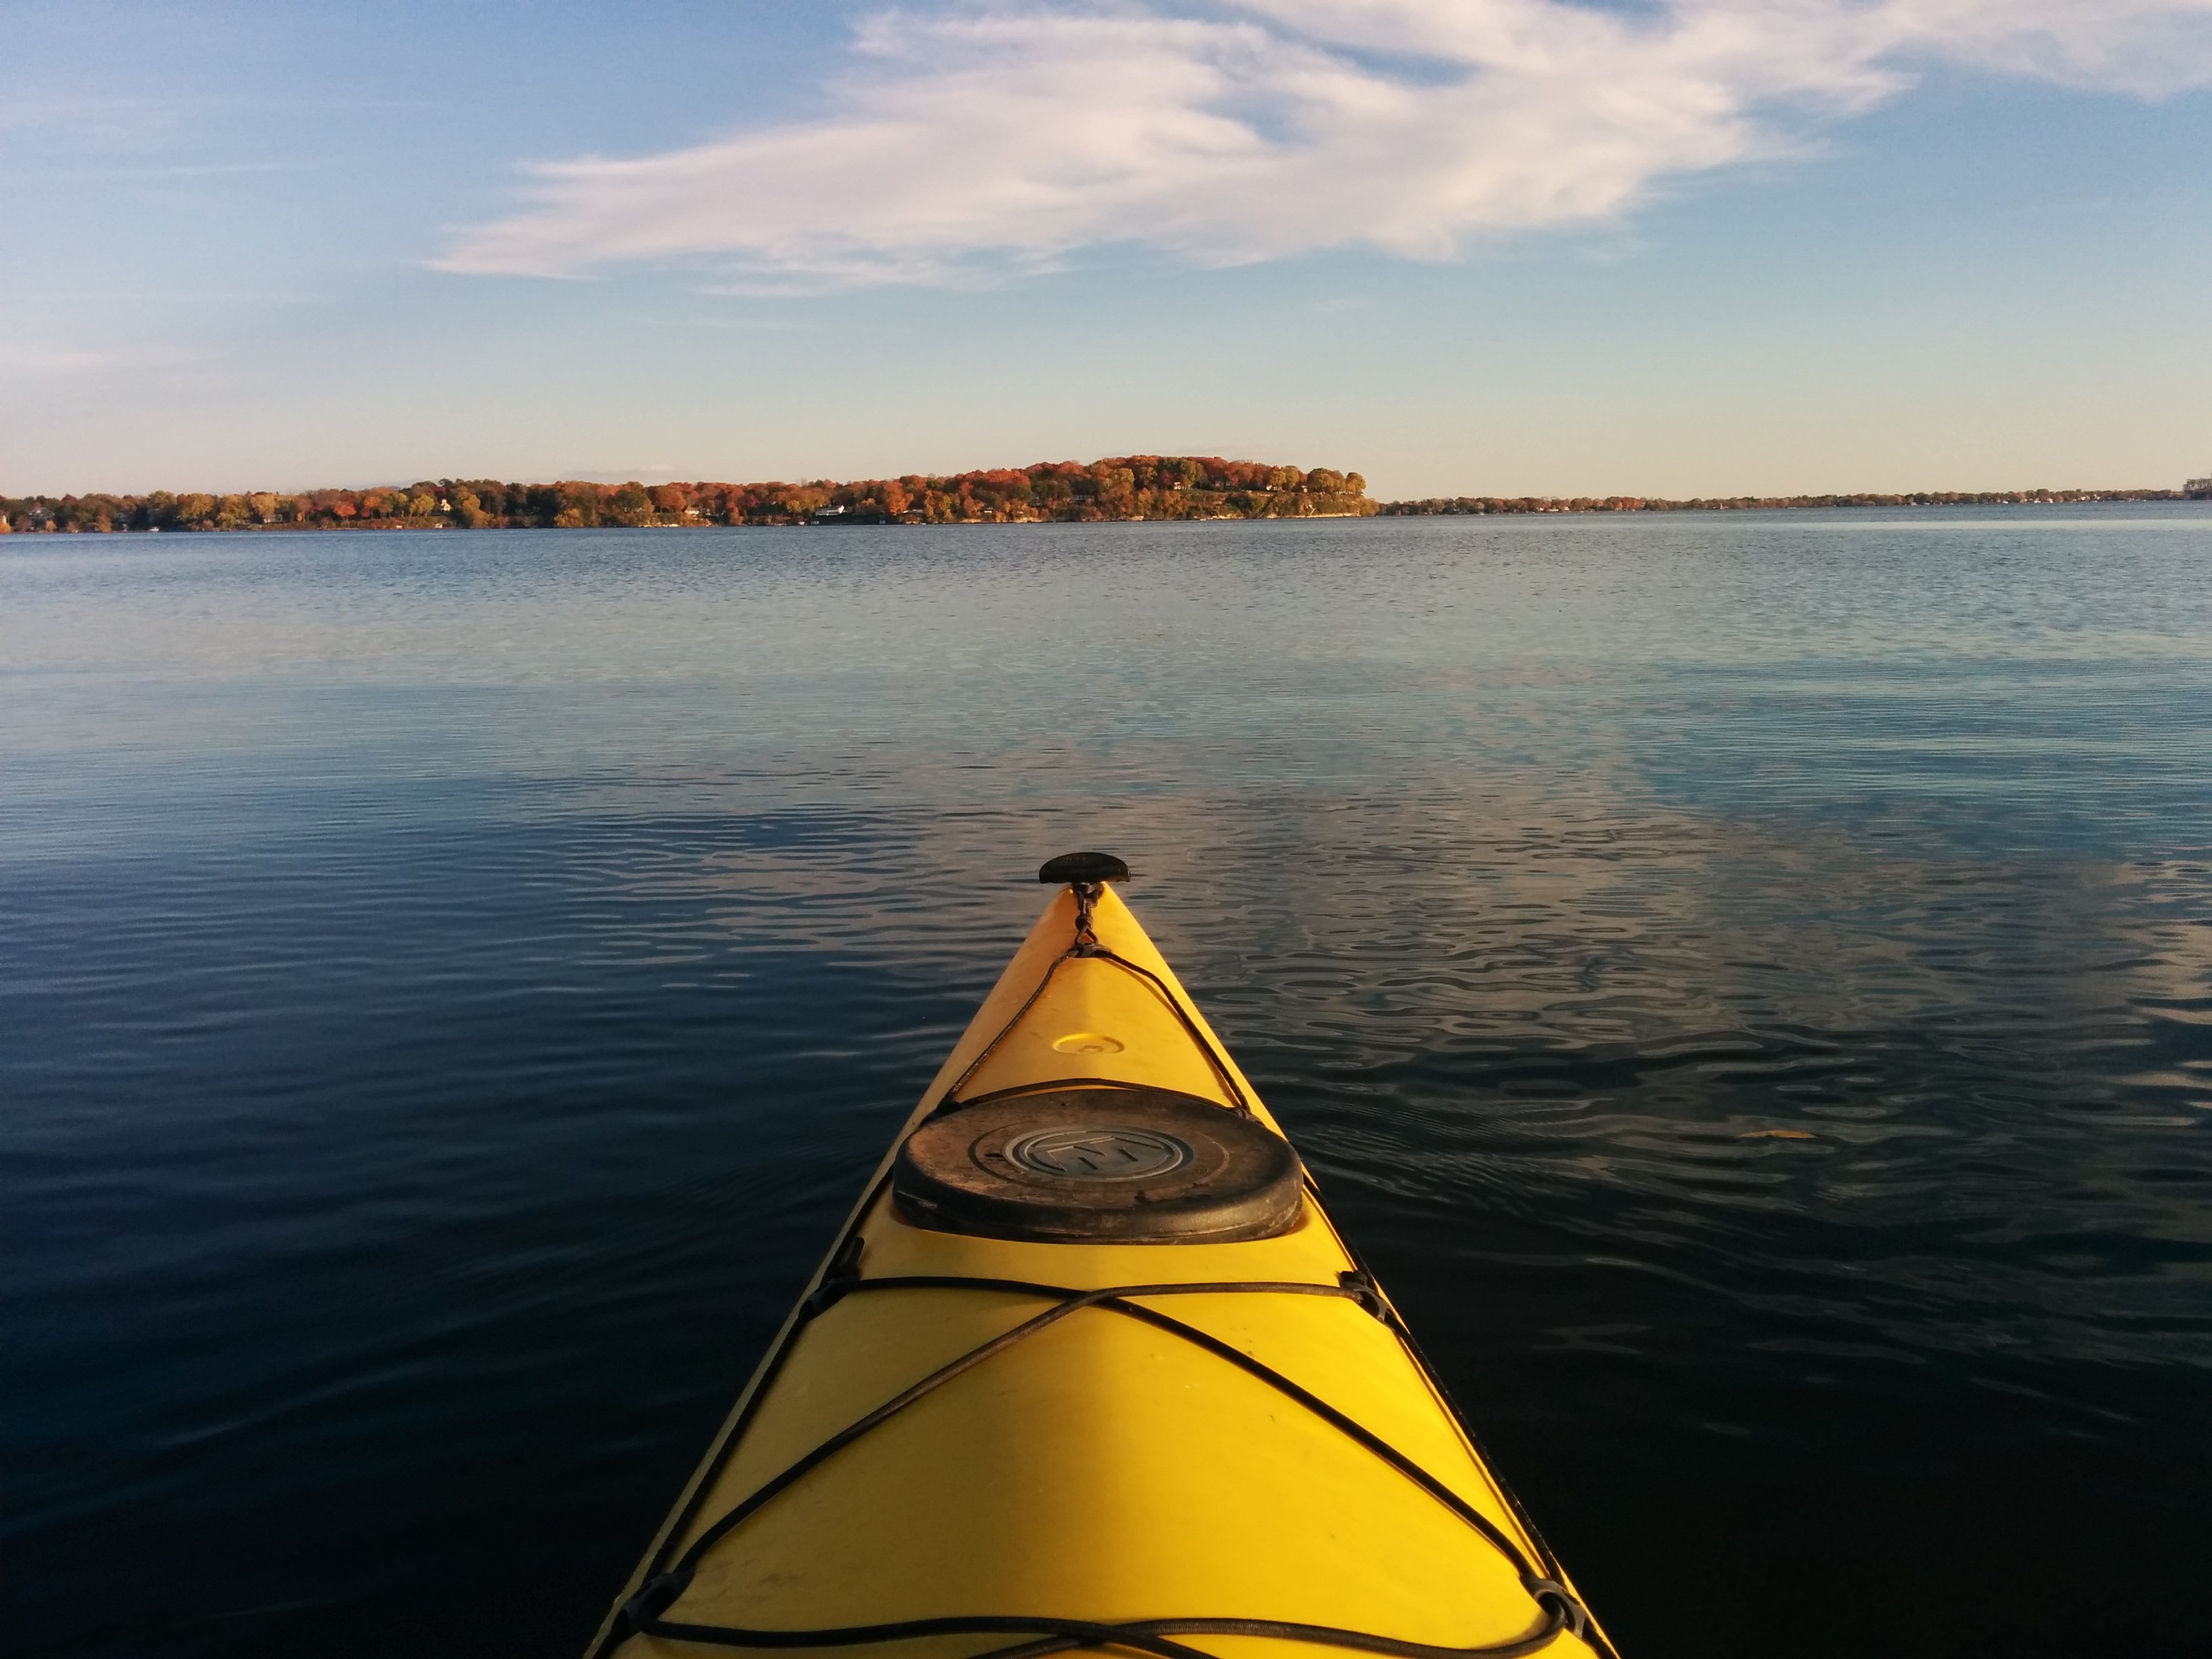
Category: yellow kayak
<point>1089,1367</point>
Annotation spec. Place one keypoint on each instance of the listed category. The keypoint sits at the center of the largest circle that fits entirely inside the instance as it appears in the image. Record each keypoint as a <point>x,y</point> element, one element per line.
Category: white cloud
<point>977,142</point>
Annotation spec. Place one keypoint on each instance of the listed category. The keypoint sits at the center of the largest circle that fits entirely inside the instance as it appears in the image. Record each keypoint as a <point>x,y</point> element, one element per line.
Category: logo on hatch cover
<point>1100,1154</point>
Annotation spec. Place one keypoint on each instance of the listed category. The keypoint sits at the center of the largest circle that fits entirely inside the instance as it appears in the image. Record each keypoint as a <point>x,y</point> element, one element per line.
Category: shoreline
<point>1477,505</point>
<point>1155,490</point>
<point>1503,509</point>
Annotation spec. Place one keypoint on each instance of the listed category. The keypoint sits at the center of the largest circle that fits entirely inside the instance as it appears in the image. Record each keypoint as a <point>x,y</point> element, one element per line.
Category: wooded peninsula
<point>1120,488</point>
<point>1125,487</point>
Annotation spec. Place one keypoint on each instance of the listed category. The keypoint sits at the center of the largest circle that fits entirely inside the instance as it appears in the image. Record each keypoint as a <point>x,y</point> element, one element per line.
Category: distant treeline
<point>1443,506</point>
<point>1121,487</point>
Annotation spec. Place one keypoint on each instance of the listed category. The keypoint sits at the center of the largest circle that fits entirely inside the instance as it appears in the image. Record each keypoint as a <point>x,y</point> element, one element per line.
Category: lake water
<point>1744,980</point>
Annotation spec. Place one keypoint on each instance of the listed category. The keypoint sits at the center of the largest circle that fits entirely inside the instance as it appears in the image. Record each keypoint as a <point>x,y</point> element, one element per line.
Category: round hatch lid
<point>1117,1164</point>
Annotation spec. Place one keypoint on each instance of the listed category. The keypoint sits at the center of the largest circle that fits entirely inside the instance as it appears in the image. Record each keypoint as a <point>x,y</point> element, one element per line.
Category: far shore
<point>1124,489</point>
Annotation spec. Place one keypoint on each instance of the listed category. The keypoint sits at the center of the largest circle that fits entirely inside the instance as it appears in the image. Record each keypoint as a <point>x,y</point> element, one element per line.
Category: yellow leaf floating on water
<point>1776,1134</point>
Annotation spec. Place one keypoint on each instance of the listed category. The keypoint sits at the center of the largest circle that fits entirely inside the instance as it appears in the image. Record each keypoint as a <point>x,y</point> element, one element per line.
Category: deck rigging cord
<point>1086,948</point>
<point>644,1612</point>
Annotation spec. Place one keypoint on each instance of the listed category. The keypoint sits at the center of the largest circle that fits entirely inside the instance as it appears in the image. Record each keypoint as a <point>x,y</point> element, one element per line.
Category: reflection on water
<point>1744,980</point>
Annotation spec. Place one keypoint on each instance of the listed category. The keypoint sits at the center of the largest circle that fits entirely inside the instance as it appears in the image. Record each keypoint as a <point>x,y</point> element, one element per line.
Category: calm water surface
<point>1745,981</point>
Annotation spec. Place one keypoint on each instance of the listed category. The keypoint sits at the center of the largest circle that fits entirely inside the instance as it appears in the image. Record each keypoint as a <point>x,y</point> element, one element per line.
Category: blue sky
<point>1462,245</point>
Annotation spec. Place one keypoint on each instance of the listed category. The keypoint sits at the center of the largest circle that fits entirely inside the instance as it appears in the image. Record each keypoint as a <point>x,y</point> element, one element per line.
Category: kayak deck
<point>956,1447</point>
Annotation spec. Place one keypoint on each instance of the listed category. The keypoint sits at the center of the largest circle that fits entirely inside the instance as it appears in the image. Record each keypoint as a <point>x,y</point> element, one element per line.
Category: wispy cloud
<point>971,143</point>
<point>185,170</point>
<point>62,362</point>
<point>99,116</point>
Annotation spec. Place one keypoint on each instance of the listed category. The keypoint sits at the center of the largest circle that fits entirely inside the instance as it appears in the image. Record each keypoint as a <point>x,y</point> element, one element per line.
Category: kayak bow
<point>1089,1367</point>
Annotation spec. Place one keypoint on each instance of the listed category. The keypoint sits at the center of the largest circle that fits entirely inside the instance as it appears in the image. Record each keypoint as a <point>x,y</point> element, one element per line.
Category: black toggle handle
<point>1084,866</point>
